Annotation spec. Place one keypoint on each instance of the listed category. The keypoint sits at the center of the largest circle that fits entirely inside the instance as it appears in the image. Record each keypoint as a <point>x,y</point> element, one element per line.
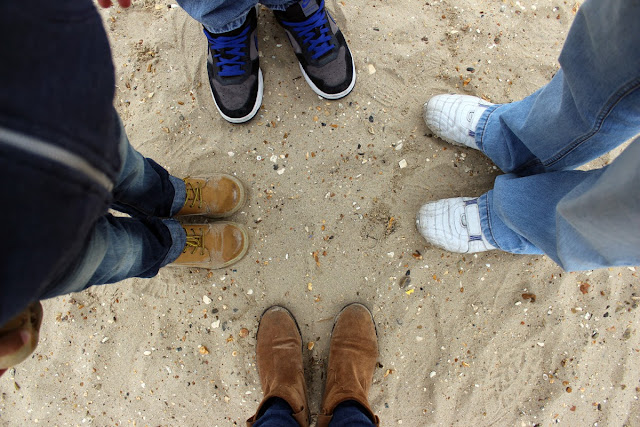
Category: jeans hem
<point>178,241</point>
<point>179,194</point>
<point>485,220</point>
<point>482,125</point>
<point>280,7</point>
<point>233,25</point>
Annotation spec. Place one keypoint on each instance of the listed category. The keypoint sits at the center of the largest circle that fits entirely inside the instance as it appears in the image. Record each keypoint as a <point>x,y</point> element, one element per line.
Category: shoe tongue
<point>300,11</point>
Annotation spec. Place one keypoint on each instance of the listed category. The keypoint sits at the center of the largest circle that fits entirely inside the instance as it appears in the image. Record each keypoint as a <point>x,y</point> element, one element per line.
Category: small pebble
<point>402,163</point>
<point>206,299</point>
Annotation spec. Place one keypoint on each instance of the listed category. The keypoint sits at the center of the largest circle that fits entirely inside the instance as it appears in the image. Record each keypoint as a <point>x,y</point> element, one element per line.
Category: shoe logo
<point>470,116</point>
<point>305,3</point>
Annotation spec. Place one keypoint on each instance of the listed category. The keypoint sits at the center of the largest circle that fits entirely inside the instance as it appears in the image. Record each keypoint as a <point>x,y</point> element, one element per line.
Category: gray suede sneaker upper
<point>325,59</point>
<point>234,71</point>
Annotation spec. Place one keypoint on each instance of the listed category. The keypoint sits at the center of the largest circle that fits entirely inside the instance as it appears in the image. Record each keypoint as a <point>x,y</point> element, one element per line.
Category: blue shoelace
<point>230,58</point>
<point>307,31</point>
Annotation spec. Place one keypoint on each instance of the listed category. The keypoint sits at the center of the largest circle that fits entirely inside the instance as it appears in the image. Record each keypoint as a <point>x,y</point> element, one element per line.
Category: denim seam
<point>233,25</point>
<point>178,241</point>
<point>480,141</point>
<point>617,97</point>
<point>279,7</point>
<point>493,237</point>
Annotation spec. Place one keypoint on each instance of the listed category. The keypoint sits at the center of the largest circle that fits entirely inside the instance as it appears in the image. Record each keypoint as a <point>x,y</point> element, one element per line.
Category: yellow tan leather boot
<point>353,353</point>
<point>215,245</point>
<point>279,359</point>
<point>215,196</point>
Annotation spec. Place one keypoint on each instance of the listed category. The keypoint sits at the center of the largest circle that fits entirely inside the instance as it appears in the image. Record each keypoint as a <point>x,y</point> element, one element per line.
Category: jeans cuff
<point>178,241</point>
<point>281,6</point>
<point>481,127</point>
<point>233,25</point>
<point>485,219</point>
<point>179,194</point>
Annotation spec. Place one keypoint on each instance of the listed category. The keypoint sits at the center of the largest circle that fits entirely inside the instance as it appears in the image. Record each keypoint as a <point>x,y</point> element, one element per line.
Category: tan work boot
<point>353,353</point>
<point>215,245</point>
<point>215,196</point>
<point>279,358</point>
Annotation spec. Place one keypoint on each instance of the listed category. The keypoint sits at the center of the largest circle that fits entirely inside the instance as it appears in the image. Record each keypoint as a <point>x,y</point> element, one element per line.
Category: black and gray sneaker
<point>325,59</point>
<point>234,71</point>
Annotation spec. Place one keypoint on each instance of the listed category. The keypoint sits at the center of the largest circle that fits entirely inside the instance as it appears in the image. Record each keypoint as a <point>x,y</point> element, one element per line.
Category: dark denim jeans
<point>348,413</point>
<point>137,246</point>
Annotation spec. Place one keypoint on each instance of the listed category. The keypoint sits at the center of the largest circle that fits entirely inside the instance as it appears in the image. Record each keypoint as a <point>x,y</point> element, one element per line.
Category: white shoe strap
<point>472,213</point>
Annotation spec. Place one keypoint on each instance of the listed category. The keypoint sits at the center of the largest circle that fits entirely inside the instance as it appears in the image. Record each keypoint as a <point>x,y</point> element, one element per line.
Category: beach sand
<point>331,216</point>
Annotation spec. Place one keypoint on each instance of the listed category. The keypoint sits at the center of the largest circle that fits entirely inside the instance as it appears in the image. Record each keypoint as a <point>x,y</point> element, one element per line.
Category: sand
<point>331,215</point>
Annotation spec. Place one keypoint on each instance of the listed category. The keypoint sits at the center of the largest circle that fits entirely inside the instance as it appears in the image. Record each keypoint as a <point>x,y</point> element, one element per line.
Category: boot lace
<point>194,241</point>
<point>194,194</point>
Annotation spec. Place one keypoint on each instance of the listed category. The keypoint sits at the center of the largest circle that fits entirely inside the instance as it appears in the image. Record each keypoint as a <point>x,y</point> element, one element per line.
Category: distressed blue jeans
<point>278,414</point>
<point>220,16</point>
<point>580,219</point>
<point>136,246</point>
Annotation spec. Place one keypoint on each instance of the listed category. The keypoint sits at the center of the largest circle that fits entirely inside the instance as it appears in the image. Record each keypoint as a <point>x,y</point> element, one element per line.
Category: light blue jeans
<point>220,16</point>
<point>582,220</point>
<point>121,247</point>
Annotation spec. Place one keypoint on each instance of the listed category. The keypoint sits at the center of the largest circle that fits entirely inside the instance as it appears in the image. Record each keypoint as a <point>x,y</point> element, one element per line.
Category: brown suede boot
<point>353,354</point>
<point>215,196</point>
<point>279,358</point>
<point>215,245</point>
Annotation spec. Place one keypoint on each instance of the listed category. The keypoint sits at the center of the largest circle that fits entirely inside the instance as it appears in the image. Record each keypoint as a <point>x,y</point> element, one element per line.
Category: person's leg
<point>233,65</point>
<point>350,414</point>
<point>143,187</point>
<point>591,105</point>
<point>582,220</point>
<point>279,360</point>
<point>120,248</point>
<point>353,353</point>
<point>277,413</point>
<point>218,16</point>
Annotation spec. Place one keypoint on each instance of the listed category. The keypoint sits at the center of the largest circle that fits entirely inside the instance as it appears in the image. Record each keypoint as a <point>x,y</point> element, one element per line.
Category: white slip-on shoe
<point>454,118</point>
<point>453,224</point>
